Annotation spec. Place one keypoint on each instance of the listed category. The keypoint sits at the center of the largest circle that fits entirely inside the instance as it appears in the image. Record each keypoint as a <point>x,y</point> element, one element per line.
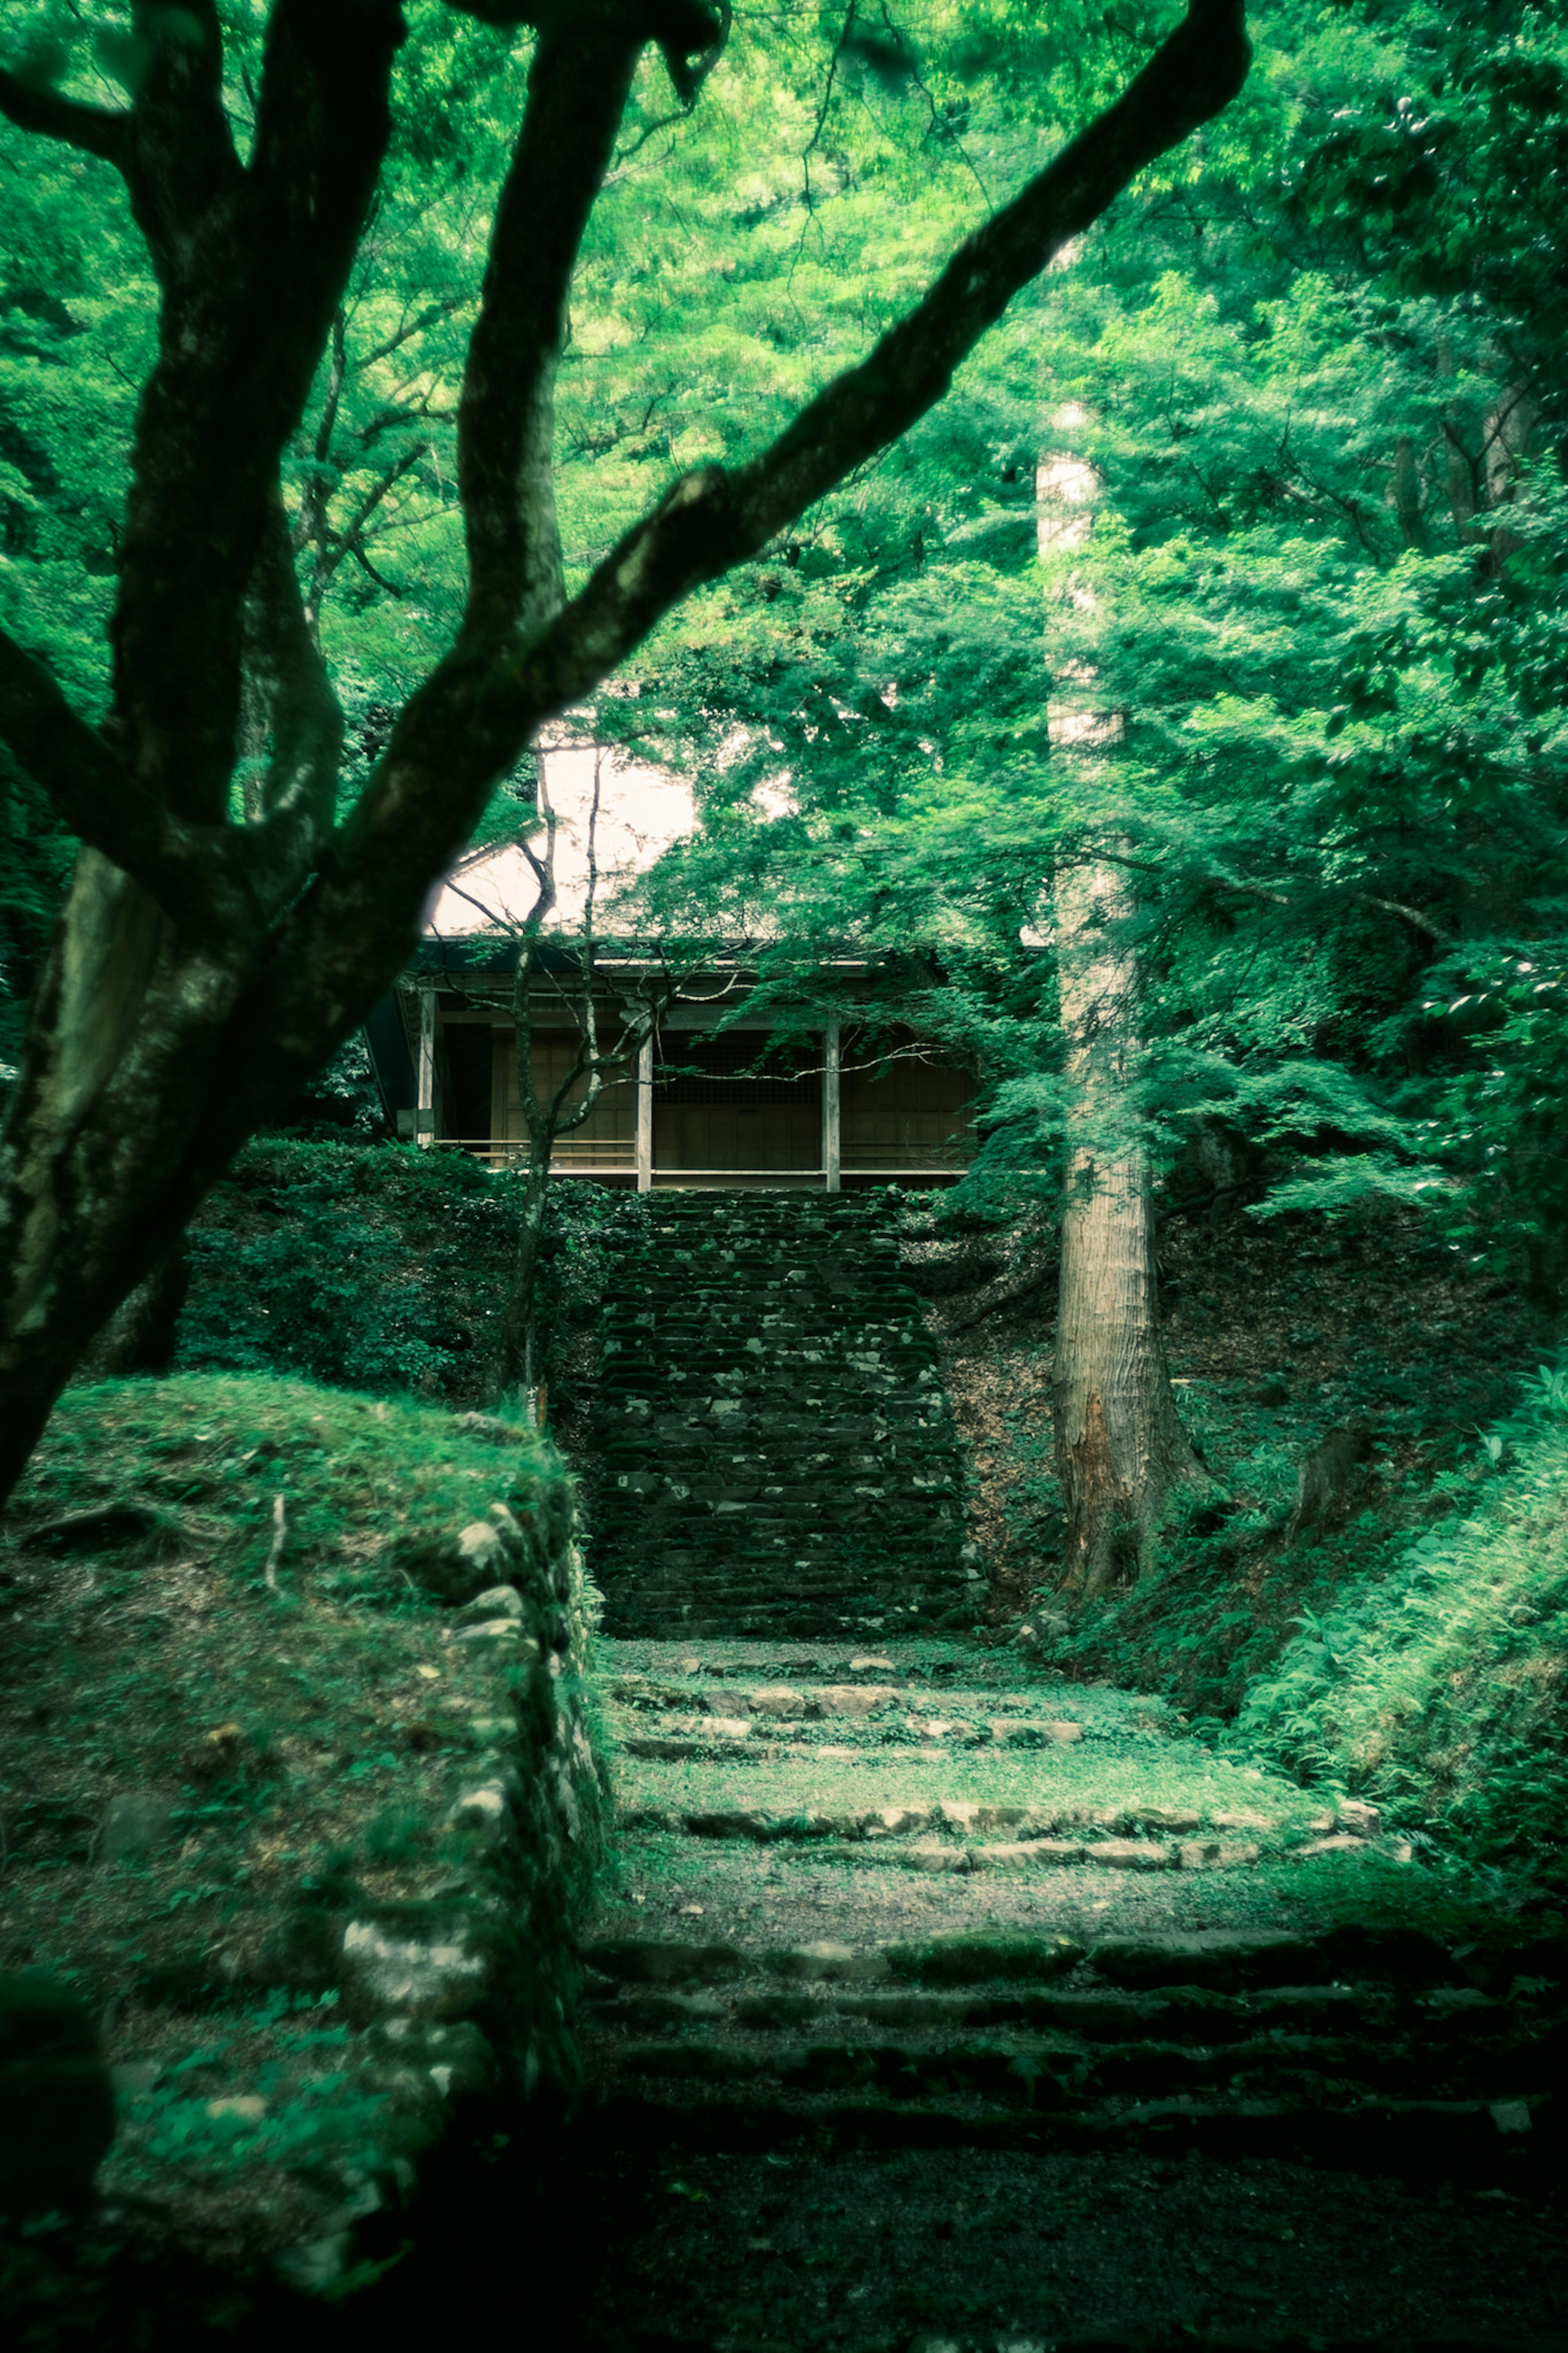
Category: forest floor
<point>940,2003</point>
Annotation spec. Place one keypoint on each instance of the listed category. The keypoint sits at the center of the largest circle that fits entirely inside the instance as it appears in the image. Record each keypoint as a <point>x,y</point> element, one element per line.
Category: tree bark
<point>1121,1447</point>
<point>519,1368</point>
<point>145,1329</point>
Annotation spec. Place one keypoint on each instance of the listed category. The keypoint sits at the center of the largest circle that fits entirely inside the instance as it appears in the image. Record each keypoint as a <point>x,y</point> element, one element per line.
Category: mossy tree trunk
<point>1120,1447</point>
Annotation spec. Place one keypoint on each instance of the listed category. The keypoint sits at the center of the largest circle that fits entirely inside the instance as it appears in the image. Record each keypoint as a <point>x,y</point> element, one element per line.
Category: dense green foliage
<point>1315,362</point>
<point>378,1268</point>
<point>1322,595</point>
<point>1434,1683</point>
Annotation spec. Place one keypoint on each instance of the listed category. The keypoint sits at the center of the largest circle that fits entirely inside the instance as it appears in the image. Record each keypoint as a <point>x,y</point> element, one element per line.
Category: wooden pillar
<point>425,1115</point>
<point>831,1148</point>
<point>644,1114</point>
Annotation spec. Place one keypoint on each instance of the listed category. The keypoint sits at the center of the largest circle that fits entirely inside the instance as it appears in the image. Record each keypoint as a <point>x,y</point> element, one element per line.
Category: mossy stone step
<point>1088,2018</point>
<point>1054,2071</point>
<point>934,1960</point>
<point>1514,2140</point>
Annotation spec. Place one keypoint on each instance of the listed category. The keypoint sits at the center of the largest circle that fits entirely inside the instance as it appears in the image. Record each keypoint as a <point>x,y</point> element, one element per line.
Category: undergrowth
<point>382,1267</point>
<point>1434,1683</point>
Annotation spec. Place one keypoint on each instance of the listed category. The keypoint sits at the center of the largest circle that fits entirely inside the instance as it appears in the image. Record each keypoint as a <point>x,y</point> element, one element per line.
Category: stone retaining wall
<point>324,1976</point>
<point>464,2000</point>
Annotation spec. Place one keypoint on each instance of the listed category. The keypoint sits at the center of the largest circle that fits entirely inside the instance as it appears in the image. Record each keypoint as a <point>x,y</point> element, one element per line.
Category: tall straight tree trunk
<point>519,1367</point>
<point>1120,1447</point>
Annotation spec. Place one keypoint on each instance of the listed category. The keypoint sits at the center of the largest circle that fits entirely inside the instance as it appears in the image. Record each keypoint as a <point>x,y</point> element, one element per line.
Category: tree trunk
<point>143,1329</point>
<point>519,1365</point>
<point>100,1164</point>
<point>1121,1447</point>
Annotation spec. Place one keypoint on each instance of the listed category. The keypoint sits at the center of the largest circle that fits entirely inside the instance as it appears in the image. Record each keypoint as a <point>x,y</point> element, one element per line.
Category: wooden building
<point>760,1101</point>
<point>720,1096</point>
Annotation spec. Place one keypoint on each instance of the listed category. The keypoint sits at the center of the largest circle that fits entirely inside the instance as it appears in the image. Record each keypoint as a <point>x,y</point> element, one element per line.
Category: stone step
<point>1220,1961</point>
<point>1519,2138</point>
<point>934,1856</point>
<point>1087,2017</point>
<point>815,1698</point>
<point>840,1591</point>
<point>784,1573</point>
<point>768,1381</point>
<point>1056,2073</point>
<point>894,1826</point>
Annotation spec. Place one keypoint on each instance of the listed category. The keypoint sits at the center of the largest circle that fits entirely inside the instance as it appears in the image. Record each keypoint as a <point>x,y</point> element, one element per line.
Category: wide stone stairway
<point>779,1455</point>
<point>936,2005</point>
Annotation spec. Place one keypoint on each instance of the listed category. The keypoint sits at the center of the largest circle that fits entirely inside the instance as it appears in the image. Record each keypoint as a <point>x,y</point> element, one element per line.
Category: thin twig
<point>275,1551</point>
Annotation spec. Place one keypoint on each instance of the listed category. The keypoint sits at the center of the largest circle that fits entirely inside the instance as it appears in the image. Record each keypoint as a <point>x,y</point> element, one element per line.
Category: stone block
<point>826,1960</point>
<point>894,1821</point>
<point>434,1970</point>
<point>976,1960</point>
<point>1040,1853</point>
<point>134,1823</point>
<point>1217,1957</point>
<point>1216,1855</point>
<point>855,1699</point>
<point>930,1855</point>
<point>775,1699</point>
<point>642,1960</point>
<point>1127,1854</point>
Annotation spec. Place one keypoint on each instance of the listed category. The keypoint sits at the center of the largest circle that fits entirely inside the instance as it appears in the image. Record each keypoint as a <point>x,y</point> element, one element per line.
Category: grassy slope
<point>1436,1682</point>
<point>337,1714</point>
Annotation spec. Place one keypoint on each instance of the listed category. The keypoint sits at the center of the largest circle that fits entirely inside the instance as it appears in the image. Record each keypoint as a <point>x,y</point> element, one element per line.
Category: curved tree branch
<point>102,130</point>
<point>578,89</point>
<point>714,518</point>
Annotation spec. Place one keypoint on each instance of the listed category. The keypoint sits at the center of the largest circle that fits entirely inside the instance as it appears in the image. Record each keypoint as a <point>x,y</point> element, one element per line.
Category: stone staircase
<point>779,1455</point>
<point>889,1920</point>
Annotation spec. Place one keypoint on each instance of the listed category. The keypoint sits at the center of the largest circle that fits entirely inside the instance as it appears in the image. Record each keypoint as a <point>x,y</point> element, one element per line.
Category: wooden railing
<point>574,1157</point>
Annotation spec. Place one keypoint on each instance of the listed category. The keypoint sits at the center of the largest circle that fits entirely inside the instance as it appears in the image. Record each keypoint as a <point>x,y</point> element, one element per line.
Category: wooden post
<point>424,1116</point>
<point>831,1143</point>
<point>644,1114</point>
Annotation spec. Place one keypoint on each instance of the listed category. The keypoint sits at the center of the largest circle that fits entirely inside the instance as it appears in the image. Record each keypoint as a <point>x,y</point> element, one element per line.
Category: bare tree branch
<point>433,313</point>
<point>335,544</point>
